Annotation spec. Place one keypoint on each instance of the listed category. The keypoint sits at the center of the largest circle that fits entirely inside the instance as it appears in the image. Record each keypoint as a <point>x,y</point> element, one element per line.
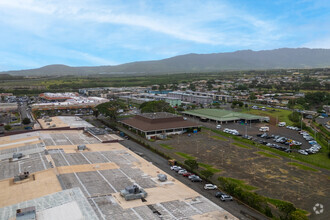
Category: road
<point>235,208</point>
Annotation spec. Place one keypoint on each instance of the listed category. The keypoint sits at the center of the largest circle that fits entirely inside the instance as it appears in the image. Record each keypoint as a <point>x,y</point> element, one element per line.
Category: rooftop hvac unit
<point>133,192</point>
<point>162,177</point>
<point>81,147</point>
<point>21,176</point>
<point>28,213</point>
<point>17,155</point>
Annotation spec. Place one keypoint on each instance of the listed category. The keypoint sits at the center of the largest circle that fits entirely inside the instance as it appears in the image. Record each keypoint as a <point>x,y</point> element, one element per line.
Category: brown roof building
<point>160,124</point>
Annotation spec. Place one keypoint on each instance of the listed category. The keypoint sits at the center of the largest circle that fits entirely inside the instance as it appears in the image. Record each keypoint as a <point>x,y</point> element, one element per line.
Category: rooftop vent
<point>28,213</point>
<point>162,177</point>
<point>81,147</point>
<point>17,155</point>
<point>21,176</point>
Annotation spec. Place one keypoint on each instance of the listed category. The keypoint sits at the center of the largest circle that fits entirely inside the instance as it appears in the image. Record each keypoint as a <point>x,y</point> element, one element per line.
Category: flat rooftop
<point>86,184</point>
<point>63,122</point>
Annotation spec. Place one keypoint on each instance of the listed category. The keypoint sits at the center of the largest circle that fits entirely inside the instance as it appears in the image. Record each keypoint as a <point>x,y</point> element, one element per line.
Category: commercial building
<point>58,96</point>
<point>197,99</point>
<point>158,125</point>
<point>71,175</point>
<point>76,102</point>
<point>223,116</point>
<point>8,107</point>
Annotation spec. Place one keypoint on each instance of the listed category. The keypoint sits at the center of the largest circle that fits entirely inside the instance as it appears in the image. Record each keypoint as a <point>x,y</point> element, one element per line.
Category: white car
<point>210,186</point>
<point>302,152</point>
<point>218,126</point>
<point>182,171</point>
<point>176,168</point>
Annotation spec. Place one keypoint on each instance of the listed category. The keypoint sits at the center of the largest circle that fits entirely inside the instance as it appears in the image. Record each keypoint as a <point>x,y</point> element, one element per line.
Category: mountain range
<point>284,58</point>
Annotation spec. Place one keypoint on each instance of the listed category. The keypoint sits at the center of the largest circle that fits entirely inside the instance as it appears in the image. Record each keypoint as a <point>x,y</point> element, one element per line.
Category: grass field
<point>267,155</point>
<point>242,145</point>
<point>219,138</point>
<point>241,183</point>
<point>319,159</point>
<point>209,167</point>
<point>186,156</point>
<point>279,114</point>
<point>303,167</point>
<point>166,146</point>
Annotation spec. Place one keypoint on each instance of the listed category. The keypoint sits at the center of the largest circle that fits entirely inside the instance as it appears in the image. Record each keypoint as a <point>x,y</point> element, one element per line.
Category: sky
<point>35,33</point>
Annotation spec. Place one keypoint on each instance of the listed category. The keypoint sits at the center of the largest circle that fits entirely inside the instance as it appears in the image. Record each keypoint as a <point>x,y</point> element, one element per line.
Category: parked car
<point>302,152</point>
<point>219,194</point>
<point>218,126</point>
<point>226,197</point>
<point>196,179</point>
<point>210,186</point>
<point>182,171</point>
<point>187,174</point>
<point>176,168</point>
<point>192,176</point>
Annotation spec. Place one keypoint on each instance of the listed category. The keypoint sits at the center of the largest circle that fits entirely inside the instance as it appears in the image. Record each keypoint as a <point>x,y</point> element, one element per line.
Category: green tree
<point>296,215</point>
<point>110,109</point>
<point>192,87</point>
<point>252,96</point>
<point>7,127</point>
<point>96,113</point>
<point>192,164</point>
<point>286,208</point>
<point>26,121</point>
<point>156,106</point>
<point>207,174</point>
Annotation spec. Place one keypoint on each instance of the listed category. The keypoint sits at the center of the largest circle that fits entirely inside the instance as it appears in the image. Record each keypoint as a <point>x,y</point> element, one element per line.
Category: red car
<point>187,174</point>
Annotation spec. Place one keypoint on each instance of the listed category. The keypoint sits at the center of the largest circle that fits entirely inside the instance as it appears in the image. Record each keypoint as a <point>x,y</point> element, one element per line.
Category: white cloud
<point>186,21</point>
<point>318,43</point>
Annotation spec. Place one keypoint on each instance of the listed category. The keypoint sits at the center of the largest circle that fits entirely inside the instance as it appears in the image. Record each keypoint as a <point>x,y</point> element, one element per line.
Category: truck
<point>264,129</point>
<point>282,124</point>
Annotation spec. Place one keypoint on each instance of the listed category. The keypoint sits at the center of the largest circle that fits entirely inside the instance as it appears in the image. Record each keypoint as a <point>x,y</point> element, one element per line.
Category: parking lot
<point>252,129</point>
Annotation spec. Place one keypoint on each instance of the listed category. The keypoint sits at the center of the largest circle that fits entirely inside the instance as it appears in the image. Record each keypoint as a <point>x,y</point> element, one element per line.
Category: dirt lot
<point>273,176</point>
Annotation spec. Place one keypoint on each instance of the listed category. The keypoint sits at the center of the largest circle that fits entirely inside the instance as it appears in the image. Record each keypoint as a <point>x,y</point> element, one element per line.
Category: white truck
<point>264,129</point>
<point>282,124</point>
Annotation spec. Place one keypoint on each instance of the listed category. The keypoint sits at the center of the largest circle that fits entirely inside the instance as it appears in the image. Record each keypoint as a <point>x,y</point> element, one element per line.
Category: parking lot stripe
<point>68,139</point>
<point>98,209</point>
<point>160,205</point>
<point>137,214</point>
<point>194,208</point>
<point>43,162</point>
<point>100,174</point>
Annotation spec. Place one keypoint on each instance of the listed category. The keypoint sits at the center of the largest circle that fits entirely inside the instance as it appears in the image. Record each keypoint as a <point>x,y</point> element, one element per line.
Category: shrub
<point>192,164</point>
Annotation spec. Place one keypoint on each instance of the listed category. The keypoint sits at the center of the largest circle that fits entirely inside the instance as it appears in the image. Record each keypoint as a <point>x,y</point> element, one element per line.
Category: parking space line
<point>68,138</point>
<point>98,209</point>
<point>82,137</point>
<point>100,174</point>
<point>52,139</point>
<point>43,162</point>
<point>137,214</point>
<point>160,205</point>
<point>129,178</point>
<point>194,208</point>
<point>104,156</point>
